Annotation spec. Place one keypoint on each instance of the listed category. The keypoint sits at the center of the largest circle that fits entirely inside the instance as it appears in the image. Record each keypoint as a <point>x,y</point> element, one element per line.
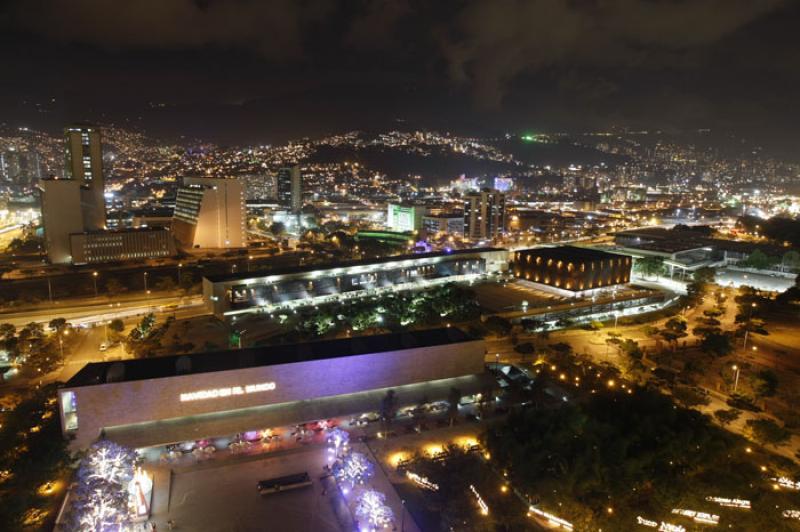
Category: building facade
<point>484,215</point>
<point>443,223</point>
<point>210,213</point>
<point>121,245</point>
<point>402,218</point>
<point>164,400</point>
<point>61,216</point>
<point>84,164</point>
<point>290,188</point>
<point>229,295</point>
<point>571,269</point>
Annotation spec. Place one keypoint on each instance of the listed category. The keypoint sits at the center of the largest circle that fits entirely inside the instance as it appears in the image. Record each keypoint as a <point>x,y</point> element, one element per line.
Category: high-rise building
<point>484,214</point>
<point>290,188</point>
<point>84,164</point>
<point>61,216</point>
<point>210,213</point>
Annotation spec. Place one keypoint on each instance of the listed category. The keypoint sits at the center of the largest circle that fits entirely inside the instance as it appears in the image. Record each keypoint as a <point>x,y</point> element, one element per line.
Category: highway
<point>88,312</point>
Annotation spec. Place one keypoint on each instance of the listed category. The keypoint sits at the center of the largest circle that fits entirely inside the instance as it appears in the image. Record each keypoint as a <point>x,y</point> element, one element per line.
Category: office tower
<point>484,214</point>
<point>290,190</point>
<point>404,218</point>
<point>84,164</point>
<point>61,216</point>
<point>210,213</point>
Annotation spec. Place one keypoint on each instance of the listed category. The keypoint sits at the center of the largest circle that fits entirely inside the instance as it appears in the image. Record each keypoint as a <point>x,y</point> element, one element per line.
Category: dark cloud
<point>274,28</point>
<point>294,65</point>
<point>493,42</point>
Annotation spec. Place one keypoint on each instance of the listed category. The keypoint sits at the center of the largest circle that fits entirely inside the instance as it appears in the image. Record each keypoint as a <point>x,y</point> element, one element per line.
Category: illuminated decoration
<point>786,482</point>
<point>552,519</point>
<point>730,503</point>
<point>354,469</point>
<point>422,482</point>
<point>662,526</point>
<point>101,500</point>
<point>216,393</point>
<point>481,503</point>
<point>338,440</point>
<point>698,517</point>
<point>372,512</point>
<point>140,489</point>
<point>791,514</point>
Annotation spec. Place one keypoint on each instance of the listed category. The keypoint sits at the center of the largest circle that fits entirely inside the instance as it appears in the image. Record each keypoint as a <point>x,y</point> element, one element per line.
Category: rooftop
<point>570,253</point>
<point>252,357</point>
<point>222,278</point>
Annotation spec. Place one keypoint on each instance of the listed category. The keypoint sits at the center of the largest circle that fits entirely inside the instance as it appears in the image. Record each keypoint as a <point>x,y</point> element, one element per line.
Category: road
<point>95,310</point>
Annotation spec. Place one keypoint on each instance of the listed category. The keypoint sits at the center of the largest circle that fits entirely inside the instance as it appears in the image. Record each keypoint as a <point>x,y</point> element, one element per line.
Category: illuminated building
<point>75,203</point>
<point>571,269</point>
<point>232,294</point>
<point>129,244</point>
<point>290,188</point>
<point>210,213</point>
<point>484,215</point>
<point>451,224</point>
<point>164,400</point>
<point>404,217</point>
<point>84,164</point>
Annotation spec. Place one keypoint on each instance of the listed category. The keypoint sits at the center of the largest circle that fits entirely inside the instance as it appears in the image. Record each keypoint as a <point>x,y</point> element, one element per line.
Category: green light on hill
<point>528,138</point>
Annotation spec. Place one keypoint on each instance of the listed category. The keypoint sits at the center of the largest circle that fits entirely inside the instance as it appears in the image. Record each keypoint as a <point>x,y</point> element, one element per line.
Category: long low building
<point>156,401</point>
<point>228,295</point>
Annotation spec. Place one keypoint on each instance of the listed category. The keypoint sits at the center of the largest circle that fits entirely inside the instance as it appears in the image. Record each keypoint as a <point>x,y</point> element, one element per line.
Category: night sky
<point>248,71</point>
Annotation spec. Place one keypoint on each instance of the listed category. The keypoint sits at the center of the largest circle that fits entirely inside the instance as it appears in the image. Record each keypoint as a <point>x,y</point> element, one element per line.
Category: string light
<point>481,503</point>
<point>422,482</point>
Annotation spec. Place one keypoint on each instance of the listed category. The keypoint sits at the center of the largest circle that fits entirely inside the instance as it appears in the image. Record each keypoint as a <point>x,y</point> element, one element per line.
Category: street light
<point>180,265</point>
<point>94,280</point>
<point>146,291</point>
<point>736,378</point>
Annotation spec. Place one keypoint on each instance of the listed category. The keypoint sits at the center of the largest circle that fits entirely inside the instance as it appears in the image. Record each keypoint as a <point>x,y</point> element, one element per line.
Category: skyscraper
<point>210,213</point>
<point>75,203</point>
<point>484,214</point>
<point>84,164</point>
<point>290,189</point>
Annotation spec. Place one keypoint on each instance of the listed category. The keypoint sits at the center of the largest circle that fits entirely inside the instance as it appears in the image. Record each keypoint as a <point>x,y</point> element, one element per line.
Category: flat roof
<point>251,357</point>
<point>571,253</point>
<point>241,276</point>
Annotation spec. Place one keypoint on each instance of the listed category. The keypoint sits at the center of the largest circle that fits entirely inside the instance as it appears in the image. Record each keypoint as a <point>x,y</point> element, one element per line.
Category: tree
<point>277,229</point>
<point>649,266</point>
<point>674,330</point>
<point>388,408</point>
<point>524,349</point>
<point>7,330</point>
<point>766,431</point>
<point>498,326</point>
<point>765,383</point>
<point>717,343</point>
<point>758,260</point>
<point>57,324</point>
<point>117,325</point>
<point>727,416</point>
<point>114,287</point>
<point>791,260</point>
<point>689,396</point>
<point>453,399</point>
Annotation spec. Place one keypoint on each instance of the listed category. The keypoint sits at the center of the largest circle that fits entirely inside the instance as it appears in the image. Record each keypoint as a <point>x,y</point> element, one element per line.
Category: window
<point>69,406</point>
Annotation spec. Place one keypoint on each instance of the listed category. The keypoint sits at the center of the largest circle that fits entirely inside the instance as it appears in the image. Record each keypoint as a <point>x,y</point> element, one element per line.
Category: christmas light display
<point>338,441</point>
<point>354,469</point>
<point>698,517</point>
<point>372,512</point>
<point>730,503</point>
<point>422,482</point>
<point>552,519</point>
<point>481,503</point>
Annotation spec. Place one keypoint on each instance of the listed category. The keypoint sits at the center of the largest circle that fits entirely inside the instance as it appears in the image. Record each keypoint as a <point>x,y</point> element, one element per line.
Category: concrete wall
<point>125,403</point>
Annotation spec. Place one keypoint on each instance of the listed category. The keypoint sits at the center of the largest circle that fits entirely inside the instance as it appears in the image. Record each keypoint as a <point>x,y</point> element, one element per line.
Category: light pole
<point>736,377</point>
<point>747,328</point>
<point>180,265</point>
<point>249,258</point>
<point>94,280</point>
<point>49,289</point>
<point>616,319</point>
<point>146,291</point>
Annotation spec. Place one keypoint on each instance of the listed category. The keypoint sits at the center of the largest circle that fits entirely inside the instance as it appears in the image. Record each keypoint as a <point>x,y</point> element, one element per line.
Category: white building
<point>210,213</point>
